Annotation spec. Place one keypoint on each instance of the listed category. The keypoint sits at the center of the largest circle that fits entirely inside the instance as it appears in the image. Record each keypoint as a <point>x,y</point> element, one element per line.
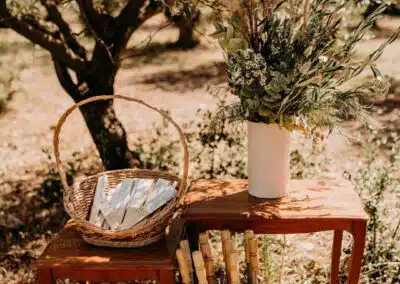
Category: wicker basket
<point>78,198</point>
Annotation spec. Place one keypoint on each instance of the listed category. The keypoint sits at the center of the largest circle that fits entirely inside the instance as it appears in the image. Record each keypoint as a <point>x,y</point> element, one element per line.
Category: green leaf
<point>235,44</point>
<point>269,99</point>
<point>246,92</point>
<point>308,51</point>
<point>285,100</point>
<point>229,32</point>
<point>346,74</point>
<point>271,105</point>
<point>305,67</point>
<point>224,43</point>
<point>219,27</point>
<point>276,95</point>
<point>265,111</point>
<point>378,75</point>
<point>217,35</point>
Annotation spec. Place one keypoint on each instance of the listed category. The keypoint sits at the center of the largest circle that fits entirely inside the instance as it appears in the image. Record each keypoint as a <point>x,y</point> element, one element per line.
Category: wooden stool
<point>67,256</point>
<point>310,206</point>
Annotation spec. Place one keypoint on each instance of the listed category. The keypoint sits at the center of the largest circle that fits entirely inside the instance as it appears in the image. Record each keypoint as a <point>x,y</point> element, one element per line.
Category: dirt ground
<point>174,80</point>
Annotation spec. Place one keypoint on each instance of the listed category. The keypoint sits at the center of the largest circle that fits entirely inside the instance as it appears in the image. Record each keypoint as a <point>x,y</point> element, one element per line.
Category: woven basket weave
<point>78,198</point>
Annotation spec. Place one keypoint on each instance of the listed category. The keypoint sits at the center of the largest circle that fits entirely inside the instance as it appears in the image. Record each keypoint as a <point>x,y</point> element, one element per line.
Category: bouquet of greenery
<point>287,62</point>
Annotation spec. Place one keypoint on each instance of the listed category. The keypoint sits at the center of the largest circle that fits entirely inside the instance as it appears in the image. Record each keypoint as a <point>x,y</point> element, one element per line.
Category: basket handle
<point>57,130</point>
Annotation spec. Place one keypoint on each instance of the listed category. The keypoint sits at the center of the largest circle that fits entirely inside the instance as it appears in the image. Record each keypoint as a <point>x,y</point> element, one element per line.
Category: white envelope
<point>99,195</point>
<point>114,212</point>
<point>158,195</point>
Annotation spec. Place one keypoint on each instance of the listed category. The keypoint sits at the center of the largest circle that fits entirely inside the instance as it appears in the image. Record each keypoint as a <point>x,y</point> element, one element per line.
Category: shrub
<point>378,183</point>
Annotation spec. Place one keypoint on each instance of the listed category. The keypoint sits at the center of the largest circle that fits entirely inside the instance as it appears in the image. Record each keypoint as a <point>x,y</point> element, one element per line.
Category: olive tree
<point>86,70</point>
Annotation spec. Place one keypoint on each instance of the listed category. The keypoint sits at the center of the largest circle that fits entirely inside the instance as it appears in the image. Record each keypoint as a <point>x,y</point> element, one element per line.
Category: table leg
<point>167,277</point>
<point>359,232</point>
<point>193,232</point>
<point>336,252</point>
<point>45,276</point>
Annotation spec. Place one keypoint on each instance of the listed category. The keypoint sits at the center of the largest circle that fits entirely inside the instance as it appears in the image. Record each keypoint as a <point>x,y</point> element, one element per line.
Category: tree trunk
<point>186,27</point>
<point>186,33</point>
<point>109,135</point>
<point>106,130</point>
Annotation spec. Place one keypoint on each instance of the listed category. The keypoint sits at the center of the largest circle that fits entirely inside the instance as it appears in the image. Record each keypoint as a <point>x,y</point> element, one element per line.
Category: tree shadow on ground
<point>31,210</point>
<point>386,115</point>
<point>27,221</point>
<point>152,53</point>
<point>389,111</point>
<point>185,80</point>
<point>388,105</point>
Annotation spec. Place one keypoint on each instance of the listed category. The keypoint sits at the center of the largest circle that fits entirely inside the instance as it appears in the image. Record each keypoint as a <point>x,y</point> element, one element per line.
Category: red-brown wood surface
<point>68,256</point>
<point>310,206</point>
<point>306,199</point>
<point>69,249</point>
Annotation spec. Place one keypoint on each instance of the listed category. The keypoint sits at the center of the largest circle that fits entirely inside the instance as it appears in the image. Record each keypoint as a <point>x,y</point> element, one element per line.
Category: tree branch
<point>92,29</point>
<point>44,39</point>
<point>30,20</point>
<point>55,16</point>
<point>131,17</point>
<point>55,47</point>
<point>4,15</point>
<point>90,14</point>
<point>66,81</point>
<point>137,11</point>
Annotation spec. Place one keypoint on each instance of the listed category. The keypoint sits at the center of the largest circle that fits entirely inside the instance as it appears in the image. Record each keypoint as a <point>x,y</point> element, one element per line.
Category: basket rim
<point>71,109</point>
<point>111,172</point>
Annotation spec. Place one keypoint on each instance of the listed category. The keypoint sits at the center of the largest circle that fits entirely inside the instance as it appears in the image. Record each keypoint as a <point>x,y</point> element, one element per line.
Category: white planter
<point>269,160</point>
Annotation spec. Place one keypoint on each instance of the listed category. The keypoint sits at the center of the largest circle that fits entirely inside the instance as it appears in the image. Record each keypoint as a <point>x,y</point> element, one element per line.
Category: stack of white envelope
<point>130,202</point>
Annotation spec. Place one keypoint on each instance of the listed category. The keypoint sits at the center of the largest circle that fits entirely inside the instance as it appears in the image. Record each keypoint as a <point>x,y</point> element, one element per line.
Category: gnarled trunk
<point>109,135</point>
<point>106,130</point>
<point>186,33</point>
<point>186,25</point>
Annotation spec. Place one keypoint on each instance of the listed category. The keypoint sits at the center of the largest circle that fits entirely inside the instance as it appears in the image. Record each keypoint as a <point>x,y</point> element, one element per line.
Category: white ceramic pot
<point>269,160</point>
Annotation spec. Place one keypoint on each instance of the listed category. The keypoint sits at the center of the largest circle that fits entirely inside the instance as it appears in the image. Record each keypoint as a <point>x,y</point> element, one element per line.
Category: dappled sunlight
<point>149,65</point>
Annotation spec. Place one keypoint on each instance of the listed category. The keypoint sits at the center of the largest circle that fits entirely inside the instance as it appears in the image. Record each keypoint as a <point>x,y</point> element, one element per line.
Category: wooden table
<point>68,257</point>
<point>311,206</point>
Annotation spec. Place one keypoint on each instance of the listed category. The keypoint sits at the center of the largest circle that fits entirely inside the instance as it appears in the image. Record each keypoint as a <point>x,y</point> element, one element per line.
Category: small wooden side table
<point>311,206</point>
<point>68,257</point>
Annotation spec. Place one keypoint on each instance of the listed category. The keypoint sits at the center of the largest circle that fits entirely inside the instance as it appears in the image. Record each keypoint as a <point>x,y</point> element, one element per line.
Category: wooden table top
<point>69,249</point>
<point>306,199</point>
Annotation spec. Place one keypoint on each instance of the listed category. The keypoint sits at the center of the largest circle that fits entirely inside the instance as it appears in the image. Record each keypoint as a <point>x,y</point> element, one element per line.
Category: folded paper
<point>130,202</point>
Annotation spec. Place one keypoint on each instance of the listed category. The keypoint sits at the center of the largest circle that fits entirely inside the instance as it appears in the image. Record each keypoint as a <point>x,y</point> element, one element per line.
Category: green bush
<point>378,184</point>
